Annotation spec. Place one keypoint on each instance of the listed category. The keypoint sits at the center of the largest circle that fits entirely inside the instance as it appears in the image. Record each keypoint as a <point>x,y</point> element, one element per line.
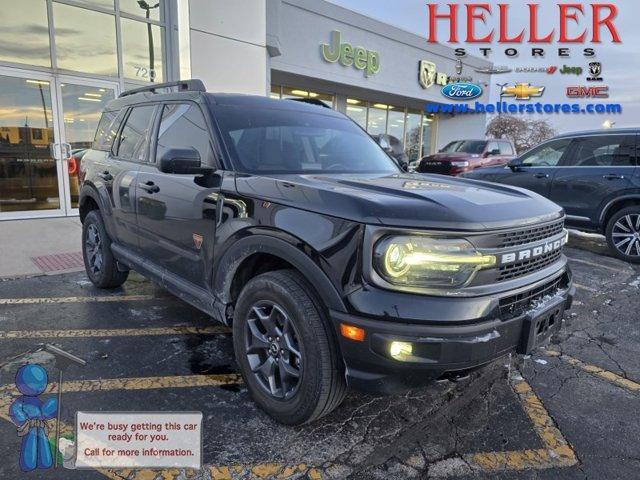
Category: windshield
<point>465,146</point>
<point>265,140</point>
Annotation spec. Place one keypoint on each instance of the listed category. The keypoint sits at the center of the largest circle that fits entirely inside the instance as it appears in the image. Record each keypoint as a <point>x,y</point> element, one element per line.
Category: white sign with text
<point>139,440</point>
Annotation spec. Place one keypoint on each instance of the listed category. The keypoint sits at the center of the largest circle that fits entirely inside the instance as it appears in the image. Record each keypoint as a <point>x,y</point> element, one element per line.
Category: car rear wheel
<point>286,349</point>
<point>101,267</point>
<point>623,234</point>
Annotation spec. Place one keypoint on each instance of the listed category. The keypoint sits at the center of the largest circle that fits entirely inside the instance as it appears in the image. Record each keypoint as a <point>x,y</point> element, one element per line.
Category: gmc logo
<point>600,91</point>
<point>534,252</point>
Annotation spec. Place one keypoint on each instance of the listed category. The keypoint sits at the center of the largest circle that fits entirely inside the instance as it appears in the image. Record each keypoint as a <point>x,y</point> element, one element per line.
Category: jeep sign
<point>348,55</point>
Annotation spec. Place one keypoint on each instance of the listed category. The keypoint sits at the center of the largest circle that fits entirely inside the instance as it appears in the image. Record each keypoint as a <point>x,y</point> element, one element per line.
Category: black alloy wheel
<point>93,248</point>
<point>273,349</point>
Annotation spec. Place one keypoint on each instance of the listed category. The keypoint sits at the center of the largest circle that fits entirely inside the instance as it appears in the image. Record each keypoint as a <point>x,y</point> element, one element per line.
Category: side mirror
<point>515,165</point>
<point>184,161</point>
<point>493,152</point>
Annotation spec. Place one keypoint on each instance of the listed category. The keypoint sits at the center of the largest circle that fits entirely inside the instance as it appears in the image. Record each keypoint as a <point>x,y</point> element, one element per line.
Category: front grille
<point>529,235</point>
<point>442,168</point>
<point>515,305</point>
<point>518,269</point>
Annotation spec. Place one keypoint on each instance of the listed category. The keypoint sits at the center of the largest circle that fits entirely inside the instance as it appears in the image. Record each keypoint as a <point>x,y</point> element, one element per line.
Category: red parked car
<point>461,156</point>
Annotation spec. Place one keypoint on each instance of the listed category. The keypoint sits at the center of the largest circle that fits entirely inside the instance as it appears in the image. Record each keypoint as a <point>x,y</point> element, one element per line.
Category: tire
<point>101,267</point>
<point>285,299</point>
<point>623,234</point>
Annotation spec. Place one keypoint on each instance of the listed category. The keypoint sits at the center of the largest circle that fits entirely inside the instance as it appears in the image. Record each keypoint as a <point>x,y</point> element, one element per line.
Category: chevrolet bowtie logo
<point>522,91</point>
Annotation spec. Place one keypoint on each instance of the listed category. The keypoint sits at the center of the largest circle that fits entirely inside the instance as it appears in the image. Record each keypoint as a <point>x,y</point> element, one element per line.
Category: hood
<point>449,157</point>
<point>405,200</point>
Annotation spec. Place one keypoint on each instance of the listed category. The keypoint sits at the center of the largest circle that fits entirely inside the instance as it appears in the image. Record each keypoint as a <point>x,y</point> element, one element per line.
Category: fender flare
<point>611,203</point>
<point>89,190</point>
<point>236,254</point>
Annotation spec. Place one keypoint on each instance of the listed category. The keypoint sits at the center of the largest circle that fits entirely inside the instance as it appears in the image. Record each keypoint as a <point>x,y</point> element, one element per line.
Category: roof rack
<point>311,101</point>
<point>183,86</point>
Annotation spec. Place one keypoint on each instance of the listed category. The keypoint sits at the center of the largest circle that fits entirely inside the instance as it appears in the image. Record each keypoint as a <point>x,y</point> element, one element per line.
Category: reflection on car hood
<point>448,157</point>
<point>405,200</point>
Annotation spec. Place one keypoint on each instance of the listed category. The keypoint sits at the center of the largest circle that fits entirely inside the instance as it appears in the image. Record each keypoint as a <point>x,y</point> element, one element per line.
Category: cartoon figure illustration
<point>30,414</point>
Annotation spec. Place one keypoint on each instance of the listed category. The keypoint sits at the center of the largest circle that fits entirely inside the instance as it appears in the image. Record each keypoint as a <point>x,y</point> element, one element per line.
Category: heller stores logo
<point>576,23</point>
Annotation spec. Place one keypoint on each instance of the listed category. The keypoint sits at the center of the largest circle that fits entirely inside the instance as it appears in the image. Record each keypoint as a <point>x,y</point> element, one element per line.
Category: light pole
<point>147,8</point>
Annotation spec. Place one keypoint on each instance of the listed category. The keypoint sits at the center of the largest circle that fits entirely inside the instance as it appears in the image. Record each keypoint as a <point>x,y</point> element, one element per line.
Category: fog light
<point>400,350</point>
<point>351,332</point>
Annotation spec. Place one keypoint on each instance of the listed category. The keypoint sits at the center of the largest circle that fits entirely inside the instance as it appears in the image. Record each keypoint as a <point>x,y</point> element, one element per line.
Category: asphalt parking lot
<point>568,411</point>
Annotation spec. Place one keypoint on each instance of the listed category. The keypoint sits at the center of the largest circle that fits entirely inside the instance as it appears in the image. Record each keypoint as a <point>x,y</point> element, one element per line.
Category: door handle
<point>541,175</point>
<point>106,176</point>
<point>613,176</point>
<point>150,187</point>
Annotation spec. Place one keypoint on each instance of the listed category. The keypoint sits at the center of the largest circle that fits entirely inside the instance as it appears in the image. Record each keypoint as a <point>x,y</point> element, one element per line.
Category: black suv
<point>334,267</point>
<point>593,175</point>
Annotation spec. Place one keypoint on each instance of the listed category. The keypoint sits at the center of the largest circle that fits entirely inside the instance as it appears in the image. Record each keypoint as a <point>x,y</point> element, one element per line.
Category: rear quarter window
<point>107,129</point>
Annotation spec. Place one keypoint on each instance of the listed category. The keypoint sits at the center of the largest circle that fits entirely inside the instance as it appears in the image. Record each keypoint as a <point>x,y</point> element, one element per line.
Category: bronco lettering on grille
<point>534,252</point>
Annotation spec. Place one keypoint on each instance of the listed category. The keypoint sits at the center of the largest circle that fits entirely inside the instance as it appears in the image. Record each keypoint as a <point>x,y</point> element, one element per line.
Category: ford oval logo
<point>462,91</point>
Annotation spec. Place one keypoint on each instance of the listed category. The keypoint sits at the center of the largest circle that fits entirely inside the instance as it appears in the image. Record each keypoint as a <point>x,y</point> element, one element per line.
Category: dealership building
<point>62,60</point>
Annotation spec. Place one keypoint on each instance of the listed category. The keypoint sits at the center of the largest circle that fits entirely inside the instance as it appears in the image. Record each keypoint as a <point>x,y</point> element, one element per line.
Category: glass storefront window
<point>24,35</point>
<point>148,9</point>
<point>98,3</point>
<point>427,123</point>
<point>395,123</point>
<point>288,92</point>
<point>377,122</point>
<point>28,174</point>
<point>412,135</point>
<point>142,51</point>
<point>85,40</point>
<point>275,91</point>
<point>357,111</point>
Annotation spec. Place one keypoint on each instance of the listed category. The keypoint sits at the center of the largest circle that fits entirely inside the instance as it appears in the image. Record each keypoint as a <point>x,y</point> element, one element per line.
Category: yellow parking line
<point>114,298</point>
<point>584,287</point>
<point>140,383</point>
<point>598,265</point>
<point>556,452</point>
<point>610,377</point>
<point>116,332</point>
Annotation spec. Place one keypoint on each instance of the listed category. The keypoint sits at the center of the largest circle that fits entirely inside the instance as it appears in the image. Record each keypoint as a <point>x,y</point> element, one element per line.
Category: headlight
<point>421,261</point>
<point>462,163</point>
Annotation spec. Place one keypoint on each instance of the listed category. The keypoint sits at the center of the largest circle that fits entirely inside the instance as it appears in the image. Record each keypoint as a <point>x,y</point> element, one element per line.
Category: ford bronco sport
<point>333,266</point>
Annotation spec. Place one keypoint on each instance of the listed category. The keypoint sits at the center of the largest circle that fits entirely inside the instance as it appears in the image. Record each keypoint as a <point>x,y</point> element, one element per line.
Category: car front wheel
<point>286,349</point>
<point>101,267</point>
<point>623,234</point>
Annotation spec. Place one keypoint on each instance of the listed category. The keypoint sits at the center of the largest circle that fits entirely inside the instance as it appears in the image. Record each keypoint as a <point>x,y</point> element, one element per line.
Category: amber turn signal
<point>351,332</point>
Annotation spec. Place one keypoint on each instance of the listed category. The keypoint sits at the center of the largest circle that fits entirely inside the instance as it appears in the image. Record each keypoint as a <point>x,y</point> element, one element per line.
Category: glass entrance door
<point>80,102</point>
<point>46,124</point>
<point>29,173</point>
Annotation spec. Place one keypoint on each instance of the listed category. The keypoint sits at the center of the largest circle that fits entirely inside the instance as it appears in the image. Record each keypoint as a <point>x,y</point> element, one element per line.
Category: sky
<point>620,62</point>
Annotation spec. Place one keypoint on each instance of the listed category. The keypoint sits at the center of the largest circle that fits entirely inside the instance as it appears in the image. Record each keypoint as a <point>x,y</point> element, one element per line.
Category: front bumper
<point>443,348</point>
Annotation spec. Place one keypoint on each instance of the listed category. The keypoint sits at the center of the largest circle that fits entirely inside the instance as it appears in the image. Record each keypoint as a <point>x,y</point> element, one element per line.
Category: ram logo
<point>534,252</point>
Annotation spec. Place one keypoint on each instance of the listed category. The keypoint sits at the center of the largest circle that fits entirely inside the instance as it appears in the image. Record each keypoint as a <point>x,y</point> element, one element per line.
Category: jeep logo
<point>534,252</point>
<point>358,57</point>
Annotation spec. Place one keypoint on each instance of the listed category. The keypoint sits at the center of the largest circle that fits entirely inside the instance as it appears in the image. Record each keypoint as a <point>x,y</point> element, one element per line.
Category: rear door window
<point>133,141</point>
<point>603,151</point>
<point>108,129</point>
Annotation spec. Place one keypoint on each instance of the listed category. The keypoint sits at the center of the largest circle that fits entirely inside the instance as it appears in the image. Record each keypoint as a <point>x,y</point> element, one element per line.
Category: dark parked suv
<point>593,175</point>
<point>334,267</point>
